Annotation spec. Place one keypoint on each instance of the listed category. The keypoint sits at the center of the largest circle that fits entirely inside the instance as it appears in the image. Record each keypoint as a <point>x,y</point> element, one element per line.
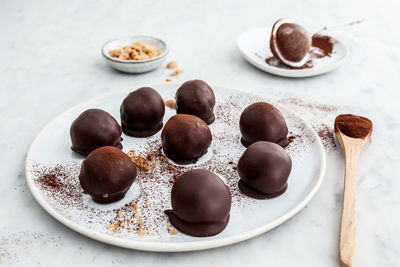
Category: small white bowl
<point>135,66</point>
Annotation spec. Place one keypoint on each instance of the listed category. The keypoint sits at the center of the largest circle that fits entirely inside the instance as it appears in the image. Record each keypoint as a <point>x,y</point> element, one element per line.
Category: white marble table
<point>50,60</point>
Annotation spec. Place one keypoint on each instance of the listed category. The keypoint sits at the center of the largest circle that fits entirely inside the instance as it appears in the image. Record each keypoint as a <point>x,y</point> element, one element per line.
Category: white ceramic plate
<point>254,46</point>
<point>249,217</point>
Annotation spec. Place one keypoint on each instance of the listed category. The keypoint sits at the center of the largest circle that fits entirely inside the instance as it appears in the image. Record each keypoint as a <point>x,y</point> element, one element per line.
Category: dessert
<point>195,97</point>
<point>142,113</point>
<point>290,43</point>
<point>135,51</point>
<point>263,122</point>
<point>264,169</point>
<point>200,202</point>
<point>92,129</point>
<point>185,138</point>
<point>107,174</point>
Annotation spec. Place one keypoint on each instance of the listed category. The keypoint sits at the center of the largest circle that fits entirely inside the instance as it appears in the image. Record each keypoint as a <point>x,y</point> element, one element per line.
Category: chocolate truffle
<point>200,202</point>
<point>195,97</point>
<point>263,122</point>
<point>264,169</point>
<point>185,138</point>
<point>142,113</point>
<point>290,42</point>
<point>107,174</point>
<point>94,128</point>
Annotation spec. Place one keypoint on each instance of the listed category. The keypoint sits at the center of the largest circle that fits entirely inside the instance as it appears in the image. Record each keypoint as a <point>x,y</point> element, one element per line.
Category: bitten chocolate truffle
<point>94,128</point>
<point>263,122</point>
<point>200,202</point>
<point>185,138</point>
<point>264,169</point>
<point>107,174</point>
<point>142,113</point>
<point>290,42</point>
<point>195,97</point>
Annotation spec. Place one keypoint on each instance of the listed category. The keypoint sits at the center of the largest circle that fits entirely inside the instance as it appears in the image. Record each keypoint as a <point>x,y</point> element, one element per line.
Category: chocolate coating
<point>291,42</point>
<point>195,97</point>
<point>107,174</point>
<point>264,169</point>
<point>92,129</point>
<point>263,122</point>
<point>185,138</point>
<point>142,113</point>
<point>201,203</point>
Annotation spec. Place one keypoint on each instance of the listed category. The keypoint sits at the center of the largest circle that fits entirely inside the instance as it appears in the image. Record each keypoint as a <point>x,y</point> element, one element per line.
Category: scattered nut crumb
<point>176,72</point>
<point>151,155</point>
<point>131,153</point>
<point>110,226</point>
<point>134,207</point>
<point>136,215</point>
<point>171,103</point>
<point>140,222</point>
<point>141,163</point>
<point>142,232</point>
<point>135,51</point>
<point>173,231</point>
<point>168,80</point>
<point>169,225</point>
<point>170,167</point>
<point>152,234</point>
<point>155,164</point>
<point>120,212</point>
<point>105,195</point>
<point>163,158</point>
<point>172,64</point>
<point>115,230</point>
<point>147,205</point>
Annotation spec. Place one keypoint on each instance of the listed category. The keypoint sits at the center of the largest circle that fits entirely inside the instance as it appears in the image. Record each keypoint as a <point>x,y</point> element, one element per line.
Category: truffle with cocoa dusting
<point>94,128</point>
<point>201,203</point>
<point>264,169</point>
<point>107,174</point>
<point>290,42</point>
<point>142,113</point>
<point>263,122</point>
<point>185,138</point>
<point>195,97</point>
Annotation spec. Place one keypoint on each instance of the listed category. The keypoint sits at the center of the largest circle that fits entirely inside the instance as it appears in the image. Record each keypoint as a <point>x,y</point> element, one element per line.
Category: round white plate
<point>254,46</point>
<point>249,217</point>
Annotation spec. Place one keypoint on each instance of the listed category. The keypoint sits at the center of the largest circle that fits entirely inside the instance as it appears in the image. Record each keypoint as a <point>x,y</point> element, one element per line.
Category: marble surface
<point>50,60</point>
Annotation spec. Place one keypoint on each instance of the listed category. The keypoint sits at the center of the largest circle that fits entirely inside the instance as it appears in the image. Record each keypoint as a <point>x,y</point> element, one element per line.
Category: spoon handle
<point>347,239</point>
<point>329,27</point>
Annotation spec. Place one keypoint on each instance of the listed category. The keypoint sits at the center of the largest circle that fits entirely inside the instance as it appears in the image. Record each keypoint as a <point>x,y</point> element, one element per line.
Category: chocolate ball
<point>290,42</point>
<point>200,202</point>
<point>195,97</point>
<point>92,129</point>
<point>107,174</point>
<point>264,169</point>
<point>142,113</point>
<point>185,138</point>
<point>263,122</point>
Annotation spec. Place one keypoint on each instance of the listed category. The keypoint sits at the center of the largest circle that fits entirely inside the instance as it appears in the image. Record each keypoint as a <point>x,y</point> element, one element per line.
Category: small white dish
<point>52,147</point>
<point>254,46</point>
<point>135,66</point>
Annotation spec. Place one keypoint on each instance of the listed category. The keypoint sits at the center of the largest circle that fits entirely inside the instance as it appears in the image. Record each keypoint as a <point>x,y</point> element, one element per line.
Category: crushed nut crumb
<point>168,80</point>
<point>141,163</point>
<point>105,195</point>
<point>142,232</point>
<point>163,158</point>
<point>136,215</point>
<point>151,155</point>
<point>155,164</point>
<point>170,167</point>
<point>171,103</point>
<point>173,231</point>
<point>172,64</point>
<point>176,72</point>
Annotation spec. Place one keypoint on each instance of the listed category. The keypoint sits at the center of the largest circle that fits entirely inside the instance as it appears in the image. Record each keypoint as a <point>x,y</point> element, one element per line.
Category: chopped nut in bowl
<point>135,54</point>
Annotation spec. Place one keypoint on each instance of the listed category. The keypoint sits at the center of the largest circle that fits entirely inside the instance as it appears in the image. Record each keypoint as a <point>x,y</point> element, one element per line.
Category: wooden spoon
<point>352,132</point>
